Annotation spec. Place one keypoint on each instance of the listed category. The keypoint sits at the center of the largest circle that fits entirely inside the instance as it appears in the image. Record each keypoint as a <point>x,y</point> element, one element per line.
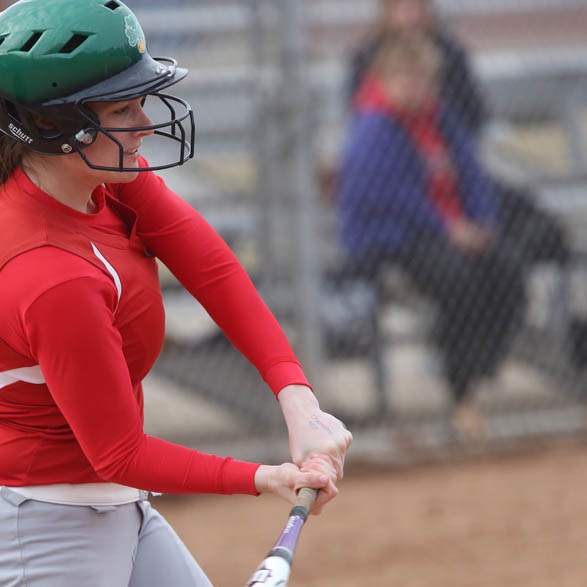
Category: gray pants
<point>49,545</point>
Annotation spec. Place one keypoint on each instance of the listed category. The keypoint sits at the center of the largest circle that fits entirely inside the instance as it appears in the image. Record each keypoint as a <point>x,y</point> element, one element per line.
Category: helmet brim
<point>145,77</point>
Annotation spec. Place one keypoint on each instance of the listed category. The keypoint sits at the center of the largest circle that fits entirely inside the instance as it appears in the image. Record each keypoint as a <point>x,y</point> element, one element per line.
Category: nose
<point>144,120</point>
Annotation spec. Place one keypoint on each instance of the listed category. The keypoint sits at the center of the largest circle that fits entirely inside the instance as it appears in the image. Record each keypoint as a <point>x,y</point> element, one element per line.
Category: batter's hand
<point>286,479</point>
<point>469,237</point>
<point>312,432</point>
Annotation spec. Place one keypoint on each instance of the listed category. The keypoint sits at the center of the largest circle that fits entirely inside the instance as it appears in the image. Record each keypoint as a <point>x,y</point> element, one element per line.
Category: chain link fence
<point>340,206</point>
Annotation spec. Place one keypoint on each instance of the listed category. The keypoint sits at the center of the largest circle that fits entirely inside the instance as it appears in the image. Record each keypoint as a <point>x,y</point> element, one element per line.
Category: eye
<point>122,110</point>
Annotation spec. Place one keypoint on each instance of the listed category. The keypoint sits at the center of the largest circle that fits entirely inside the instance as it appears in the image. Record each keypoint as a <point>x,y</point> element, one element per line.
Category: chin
<point>126,176</point>
<point>119,176</point>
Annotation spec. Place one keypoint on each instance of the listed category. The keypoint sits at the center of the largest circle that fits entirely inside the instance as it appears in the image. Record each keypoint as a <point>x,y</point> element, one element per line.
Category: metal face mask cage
<point>74,126</point>
<point>162,73</point>
<point>177,132</point>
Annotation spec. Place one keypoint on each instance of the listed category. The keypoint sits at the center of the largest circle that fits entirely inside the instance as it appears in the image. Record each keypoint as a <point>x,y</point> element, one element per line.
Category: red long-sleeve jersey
<point>82,322</point>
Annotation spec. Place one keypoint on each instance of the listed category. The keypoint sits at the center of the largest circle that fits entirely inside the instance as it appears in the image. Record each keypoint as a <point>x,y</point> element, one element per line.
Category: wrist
<point>263,477</point>
<point>295,399</point>
<point>261,480</point>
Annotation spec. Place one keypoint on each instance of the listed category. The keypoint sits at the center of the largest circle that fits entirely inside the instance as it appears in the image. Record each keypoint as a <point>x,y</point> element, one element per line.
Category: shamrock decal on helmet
<point>134,33</point>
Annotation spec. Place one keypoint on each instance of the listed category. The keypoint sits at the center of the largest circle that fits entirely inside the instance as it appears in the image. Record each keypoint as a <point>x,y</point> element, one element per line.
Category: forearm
<point>312,431</point>
<point>296,401</point>
<point>249,324</point>
<point>158,465</point>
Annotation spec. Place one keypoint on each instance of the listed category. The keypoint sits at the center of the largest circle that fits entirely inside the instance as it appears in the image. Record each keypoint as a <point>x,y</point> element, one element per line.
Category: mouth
<point>132,152</point>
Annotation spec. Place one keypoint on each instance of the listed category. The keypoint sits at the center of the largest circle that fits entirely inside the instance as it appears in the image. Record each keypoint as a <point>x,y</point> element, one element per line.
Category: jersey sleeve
<point>182,239</point>
<point>71,332</point>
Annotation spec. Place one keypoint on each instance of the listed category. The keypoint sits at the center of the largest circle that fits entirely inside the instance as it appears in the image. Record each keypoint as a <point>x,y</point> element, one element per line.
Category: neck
<point>54,179</point>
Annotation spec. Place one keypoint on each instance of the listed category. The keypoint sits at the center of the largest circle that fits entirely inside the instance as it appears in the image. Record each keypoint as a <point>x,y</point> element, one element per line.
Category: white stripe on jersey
<point>33,374</point>
<point>110,269</point>
<point>27,374</point>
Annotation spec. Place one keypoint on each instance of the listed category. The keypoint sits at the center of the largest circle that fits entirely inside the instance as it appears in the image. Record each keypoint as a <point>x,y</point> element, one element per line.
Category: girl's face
<point>105,152</point>
<point>407,15</point>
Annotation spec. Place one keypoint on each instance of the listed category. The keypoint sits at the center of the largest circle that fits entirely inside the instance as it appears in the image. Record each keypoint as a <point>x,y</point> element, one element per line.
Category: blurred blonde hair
<point>386,4</point>
<point>414,53</point>
<point>385,9</point>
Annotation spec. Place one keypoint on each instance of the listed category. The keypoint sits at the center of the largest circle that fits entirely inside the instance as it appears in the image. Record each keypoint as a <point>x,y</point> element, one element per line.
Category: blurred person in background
<point>83,218</point>
<point>412,192</point>
<point>457,84</point>
<point>537,235</point>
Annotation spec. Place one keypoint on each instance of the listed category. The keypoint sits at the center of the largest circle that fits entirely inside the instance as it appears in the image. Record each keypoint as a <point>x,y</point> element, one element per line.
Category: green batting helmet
<point>58,55</point>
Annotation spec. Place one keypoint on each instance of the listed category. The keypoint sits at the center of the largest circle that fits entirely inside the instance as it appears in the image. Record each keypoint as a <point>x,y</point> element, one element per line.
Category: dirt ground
<point>515,520</point>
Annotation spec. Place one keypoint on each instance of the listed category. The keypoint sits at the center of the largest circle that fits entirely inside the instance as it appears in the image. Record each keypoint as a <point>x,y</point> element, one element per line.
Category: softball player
<point>82,216</point>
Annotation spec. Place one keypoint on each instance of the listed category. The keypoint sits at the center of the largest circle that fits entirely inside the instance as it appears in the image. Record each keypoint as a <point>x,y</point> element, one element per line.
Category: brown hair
<point>11,156</point>
<point>417,53</point>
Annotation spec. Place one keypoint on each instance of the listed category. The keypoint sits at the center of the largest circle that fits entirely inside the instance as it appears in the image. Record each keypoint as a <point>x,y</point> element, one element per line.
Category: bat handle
<point>274,570</point>
<point>306,497</point>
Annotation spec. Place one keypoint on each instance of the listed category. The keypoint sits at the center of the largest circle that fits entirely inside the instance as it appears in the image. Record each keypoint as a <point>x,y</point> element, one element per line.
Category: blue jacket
<point>382,194</point>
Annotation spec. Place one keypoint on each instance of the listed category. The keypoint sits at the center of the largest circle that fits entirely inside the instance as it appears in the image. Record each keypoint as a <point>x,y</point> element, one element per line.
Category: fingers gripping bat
<point>275,569</point>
